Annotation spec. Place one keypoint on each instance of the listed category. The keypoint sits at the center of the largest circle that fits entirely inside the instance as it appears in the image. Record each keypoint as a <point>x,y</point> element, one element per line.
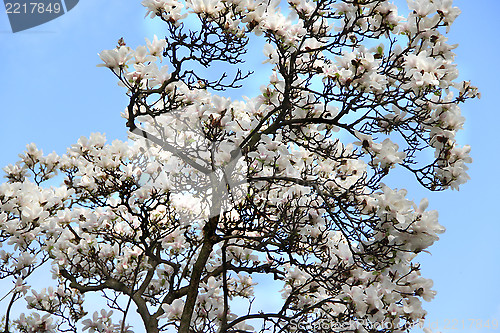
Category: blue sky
<point>52,93</point>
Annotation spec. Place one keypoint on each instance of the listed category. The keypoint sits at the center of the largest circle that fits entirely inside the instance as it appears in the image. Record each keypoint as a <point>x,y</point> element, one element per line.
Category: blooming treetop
<point>286,185</point>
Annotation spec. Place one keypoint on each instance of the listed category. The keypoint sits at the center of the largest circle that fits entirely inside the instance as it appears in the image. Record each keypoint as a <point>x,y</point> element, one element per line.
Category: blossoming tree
<point>215,194</point>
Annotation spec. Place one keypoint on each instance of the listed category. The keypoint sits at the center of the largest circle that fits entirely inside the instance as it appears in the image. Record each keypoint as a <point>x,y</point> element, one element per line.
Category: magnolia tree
<point>213,195</point>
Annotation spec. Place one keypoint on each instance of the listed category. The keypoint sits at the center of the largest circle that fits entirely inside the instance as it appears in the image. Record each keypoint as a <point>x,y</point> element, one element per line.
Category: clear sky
<point>52,93</point>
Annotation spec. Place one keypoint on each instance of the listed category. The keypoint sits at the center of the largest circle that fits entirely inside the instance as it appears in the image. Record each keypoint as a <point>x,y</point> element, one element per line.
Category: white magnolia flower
<point>174,310</point>
<point>115,58</point>
<point>209,7</point>
<point>156,46</point>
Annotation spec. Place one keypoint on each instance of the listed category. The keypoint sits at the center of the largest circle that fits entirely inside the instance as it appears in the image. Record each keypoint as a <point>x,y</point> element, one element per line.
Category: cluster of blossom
<point>103,322</point>
<point>75,235</point>
<point>108,176</point>
<point>390,293</point>
<point>35,323</point>
<point>423,70</point>
<point>427,67</point>
<point>359,69</point>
